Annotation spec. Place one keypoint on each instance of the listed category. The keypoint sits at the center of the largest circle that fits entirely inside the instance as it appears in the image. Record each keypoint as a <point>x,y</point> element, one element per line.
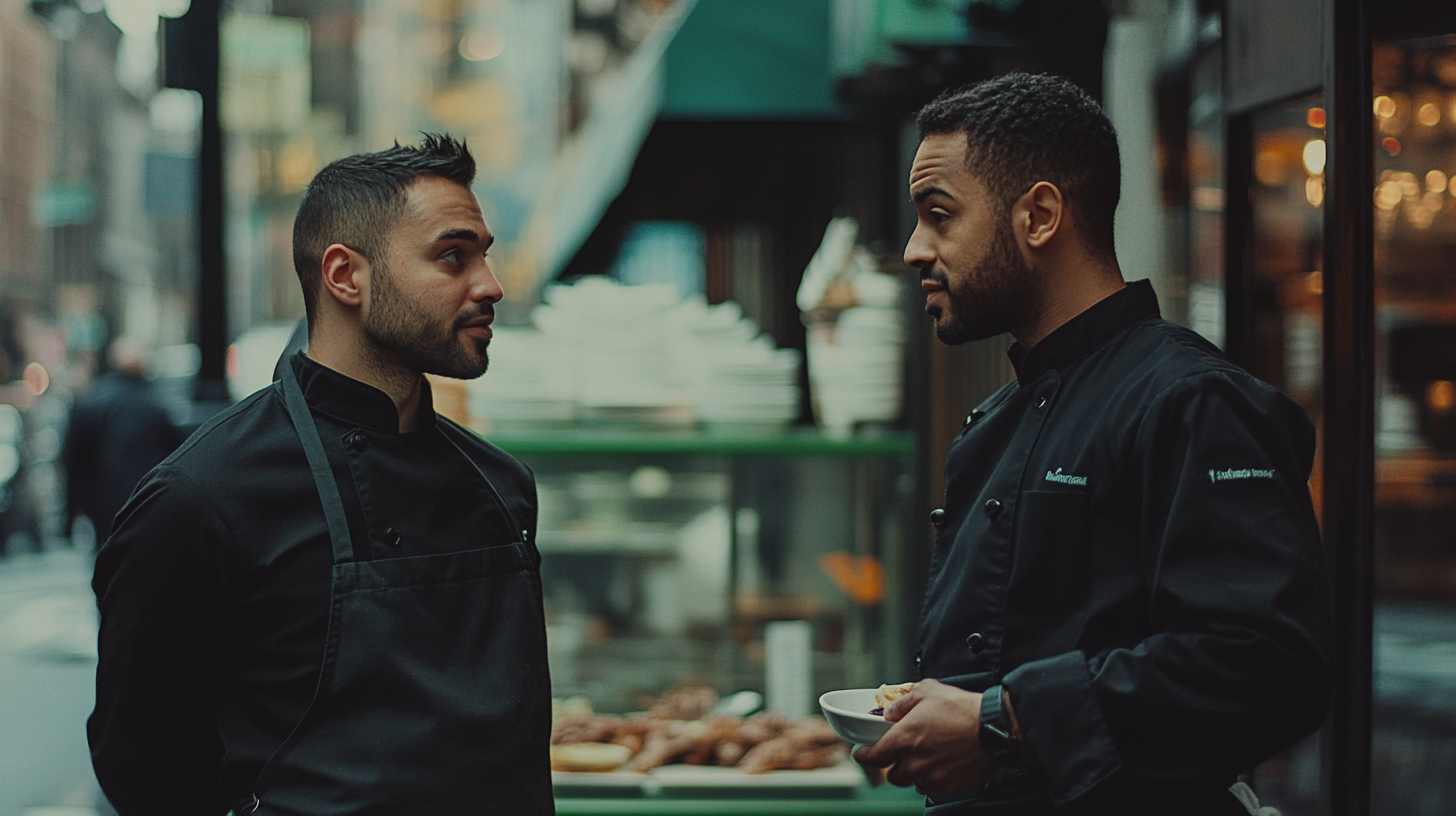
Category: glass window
<point>1282,299</point>
<point>1415,519</point>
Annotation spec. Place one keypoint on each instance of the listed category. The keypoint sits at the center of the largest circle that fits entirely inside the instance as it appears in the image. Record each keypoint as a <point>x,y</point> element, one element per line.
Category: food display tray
<point>840,781</point>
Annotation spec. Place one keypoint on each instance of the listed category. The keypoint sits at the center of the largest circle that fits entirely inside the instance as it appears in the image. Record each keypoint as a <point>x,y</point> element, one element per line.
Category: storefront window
<point>1415,546</point>
<point>1281,311</point>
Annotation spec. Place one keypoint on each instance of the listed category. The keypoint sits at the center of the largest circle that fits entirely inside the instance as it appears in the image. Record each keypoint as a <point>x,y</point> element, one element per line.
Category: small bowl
<point>848,712</point>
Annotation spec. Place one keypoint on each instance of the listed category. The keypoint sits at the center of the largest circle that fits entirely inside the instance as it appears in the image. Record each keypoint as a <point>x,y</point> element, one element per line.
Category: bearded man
<point>328,600</point>
<point>1126,606</point>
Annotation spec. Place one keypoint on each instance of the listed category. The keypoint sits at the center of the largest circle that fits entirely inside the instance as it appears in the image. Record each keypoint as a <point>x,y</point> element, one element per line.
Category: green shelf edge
<point>598,442</point>
<point>895,802</point>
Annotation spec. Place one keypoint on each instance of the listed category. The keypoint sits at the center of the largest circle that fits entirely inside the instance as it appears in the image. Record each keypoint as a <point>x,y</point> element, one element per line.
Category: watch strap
<point>996,734</point>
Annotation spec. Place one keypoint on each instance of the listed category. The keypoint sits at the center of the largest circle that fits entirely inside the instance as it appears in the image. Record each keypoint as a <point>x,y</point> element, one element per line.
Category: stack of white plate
<point>741,381</point>
<point>527,383</point>
<point>620,349</point>
<point>604,351</point>
<point>855,368</point>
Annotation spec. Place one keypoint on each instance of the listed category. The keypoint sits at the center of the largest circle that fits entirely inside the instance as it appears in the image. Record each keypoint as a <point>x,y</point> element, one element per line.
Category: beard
<point>989,298</point>
<point>404,334</point>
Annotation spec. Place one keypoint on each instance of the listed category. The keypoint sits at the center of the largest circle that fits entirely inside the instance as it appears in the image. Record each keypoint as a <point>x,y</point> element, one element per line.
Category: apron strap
<point>318,462</point>
<point>518,533</point>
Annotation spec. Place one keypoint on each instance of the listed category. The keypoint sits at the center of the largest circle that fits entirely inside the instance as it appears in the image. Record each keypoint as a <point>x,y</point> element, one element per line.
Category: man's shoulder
<point>1167,354</point>
<point>243,431</point>
<point>1174,366</point>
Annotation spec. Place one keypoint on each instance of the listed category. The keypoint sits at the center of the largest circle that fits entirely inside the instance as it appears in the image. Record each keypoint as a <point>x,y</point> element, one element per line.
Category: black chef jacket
<point>1128,545</point>
<point>214,590</point>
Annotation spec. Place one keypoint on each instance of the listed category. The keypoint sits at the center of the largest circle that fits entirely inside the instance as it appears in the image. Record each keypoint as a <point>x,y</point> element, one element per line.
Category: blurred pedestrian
<point>1126,607</point>
<point>328,601</point>
<point>118,431</point>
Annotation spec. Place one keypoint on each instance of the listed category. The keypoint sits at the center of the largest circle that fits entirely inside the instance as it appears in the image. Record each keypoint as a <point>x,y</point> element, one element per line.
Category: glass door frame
<point>1349,363</point>
<point>1349,353</point>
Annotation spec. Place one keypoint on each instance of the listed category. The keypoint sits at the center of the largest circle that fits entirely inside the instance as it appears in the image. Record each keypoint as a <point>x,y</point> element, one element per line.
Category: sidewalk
<point>47,684</point>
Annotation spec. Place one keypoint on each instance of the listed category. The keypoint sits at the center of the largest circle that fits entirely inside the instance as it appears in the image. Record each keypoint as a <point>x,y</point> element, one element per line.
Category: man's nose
<point>918,254</point>
<point>486,286</point>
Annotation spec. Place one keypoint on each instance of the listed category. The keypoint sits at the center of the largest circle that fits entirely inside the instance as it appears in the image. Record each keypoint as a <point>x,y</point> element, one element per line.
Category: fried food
<point>888,694</point>
<point>665,735</point>
<point>588,757</point>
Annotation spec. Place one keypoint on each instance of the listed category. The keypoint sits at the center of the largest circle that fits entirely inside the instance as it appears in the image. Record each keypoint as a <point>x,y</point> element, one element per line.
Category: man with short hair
<point>1126,605</point>
<point>118,431</point>
<point>328,600</point>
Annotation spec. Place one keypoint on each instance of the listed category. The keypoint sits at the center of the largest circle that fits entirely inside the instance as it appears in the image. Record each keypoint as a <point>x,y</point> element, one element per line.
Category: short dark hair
<point>1024,128</point>
<point>356,200</point>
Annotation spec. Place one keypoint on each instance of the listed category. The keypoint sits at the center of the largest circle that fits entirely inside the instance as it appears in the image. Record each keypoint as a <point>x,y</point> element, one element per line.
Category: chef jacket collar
<point>352,402</point>
<point>1077,337</point>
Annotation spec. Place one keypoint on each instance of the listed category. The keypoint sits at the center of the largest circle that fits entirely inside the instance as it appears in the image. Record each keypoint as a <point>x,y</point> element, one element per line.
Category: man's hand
<point>934,743</point>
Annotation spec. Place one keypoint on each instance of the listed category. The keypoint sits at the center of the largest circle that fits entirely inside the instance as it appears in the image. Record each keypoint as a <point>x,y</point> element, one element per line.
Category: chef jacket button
<point>357,442</point>
<point>392,537</point>
<point>918,661</point>
<point>993,508</point>
<point>1041,402</point>
<point>937,517</point>
<point>975,641</point>
<point>970,418</point>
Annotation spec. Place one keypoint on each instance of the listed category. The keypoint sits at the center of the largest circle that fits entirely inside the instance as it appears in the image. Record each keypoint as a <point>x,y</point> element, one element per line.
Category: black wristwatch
<point>996,736</point>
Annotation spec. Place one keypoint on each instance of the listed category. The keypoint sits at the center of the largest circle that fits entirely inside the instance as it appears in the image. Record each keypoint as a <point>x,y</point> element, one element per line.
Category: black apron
<point>434,696</point>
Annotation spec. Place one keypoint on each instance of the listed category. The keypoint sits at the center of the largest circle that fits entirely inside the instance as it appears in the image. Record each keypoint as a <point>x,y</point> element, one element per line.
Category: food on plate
<point>756,744</point>
<point>803,745</point>
<point>588,757</point>
<point>888,694</point>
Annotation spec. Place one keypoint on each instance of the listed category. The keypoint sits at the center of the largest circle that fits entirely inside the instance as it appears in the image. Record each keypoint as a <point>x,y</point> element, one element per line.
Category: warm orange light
<point>1314,282</point>
<point>1428,115</point>
<point>1388,195</point>
<point>1314,190</point>
<point>1436,181</point>
<point>1315,117</point>
<point>36,378</point>
<point>1269,167</point>
<point>1314,156</point>
<point>1391,145</point>
<point>1441,396</point>
<point>1384,107</point>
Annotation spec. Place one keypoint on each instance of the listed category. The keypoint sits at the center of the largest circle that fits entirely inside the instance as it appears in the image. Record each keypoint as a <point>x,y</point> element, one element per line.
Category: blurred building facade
<point>28,67</point>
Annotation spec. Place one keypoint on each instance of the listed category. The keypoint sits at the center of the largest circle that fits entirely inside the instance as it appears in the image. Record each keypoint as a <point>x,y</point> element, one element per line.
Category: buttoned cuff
<point>1062,724</point>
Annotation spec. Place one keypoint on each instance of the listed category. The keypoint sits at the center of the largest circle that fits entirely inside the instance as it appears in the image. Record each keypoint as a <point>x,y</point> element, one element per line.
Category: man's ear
<point>344,272</point>
<point>1037,215</point>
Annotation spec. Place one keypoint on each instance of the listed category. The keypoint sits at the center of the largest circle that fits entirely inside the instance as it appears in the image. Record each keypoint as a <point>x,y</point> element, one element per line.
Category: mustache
<point>937,275</point>
<point>485,310</point>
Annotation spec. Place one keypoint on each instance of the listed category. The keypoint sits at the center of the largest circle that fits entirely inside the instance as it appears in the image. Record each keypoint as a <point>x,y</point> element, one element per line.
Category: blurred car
<point>252,357</point>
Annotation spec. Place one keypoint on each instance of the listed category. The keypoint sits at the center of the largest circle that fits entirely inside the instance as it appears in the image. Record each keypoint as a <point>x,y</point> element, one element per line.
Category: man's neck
<point>1064,297</point>
<point>367,366</point>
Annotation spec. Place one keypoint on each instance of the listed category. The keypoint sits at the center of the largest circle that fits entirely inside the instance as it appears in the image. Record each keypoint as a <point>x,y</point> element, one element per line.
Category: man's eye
<point>452,256</point>
<point>939,216</point>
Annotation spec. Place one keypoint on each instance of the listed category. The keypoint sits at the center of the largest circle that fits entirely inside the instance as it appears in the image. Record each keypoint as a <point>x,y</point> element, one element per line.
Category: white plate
<point>848,712</point>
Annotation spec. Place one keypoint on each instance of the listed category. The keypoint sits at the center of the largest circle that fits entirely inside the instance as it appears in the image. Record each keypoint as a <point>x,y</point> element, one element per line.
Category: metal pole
<point>1349,468</point>
<point>212,331</point>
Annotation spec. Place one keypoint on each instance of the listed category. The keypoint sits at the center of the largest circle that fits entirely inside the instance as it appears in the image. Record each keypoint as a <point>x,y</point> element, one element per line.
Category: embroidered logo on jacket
<point>1066,478</point>
<point>1235,474</point>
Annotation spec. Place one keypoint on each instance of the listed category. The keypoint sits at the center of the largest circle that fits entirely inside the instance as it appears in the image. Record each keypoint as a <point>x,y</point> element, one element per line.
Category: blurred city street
<point>47,679</point>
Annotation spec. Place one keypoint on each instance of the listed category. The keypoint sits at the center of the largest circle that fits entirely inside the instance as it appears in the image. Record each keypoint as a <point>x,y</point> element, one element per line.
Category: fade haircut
<point>357,200</point>
<point>1024,128</point>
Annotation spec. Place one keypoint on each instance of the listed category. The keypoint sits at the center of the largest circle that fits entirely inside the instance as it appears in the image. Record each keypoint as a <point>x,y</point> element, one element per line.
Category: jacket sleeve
<point>1235,664</point>
<point>153,735</point>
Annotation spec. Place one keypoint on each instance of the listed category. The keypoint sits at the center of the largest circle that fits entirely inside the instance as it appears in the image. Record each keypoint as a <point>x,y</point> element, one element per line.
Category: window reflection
<point>1284,289</point>
<point>1414,112</point>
